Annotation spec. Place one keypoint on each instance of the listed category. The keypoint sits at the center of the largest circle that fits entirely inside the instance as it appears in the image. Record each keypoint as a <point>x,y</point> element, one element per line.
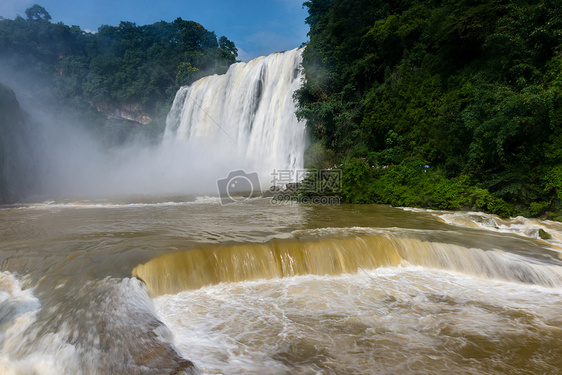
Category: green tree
<point>37,13</point>
<point>127,65</point>
<point>470,87</point>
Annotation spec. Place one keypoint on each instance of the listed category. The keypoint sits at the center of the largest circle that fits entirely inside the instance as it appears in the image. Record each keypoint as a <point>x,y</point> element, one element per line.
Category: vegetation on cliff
<point>129,72</point>
<point>442,104</point>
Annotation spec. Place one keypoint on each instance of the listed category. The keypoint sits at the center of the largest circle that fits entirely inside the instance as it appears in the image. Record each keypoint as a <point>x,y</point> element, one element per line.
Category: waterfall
<point>249,111</point>
<point>213,264</point>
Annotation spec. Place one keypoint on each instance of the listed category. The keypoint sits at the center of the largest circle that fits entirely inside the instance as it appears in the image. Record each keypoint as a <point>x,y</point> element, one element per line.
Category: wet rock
<point>544,234</point>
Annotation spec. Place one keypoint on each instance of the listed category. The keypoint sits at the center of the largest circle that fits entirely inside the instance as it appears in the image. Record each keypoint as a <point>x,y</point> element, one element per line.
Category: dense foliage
<point>124,66</point>
<point>443,104</point>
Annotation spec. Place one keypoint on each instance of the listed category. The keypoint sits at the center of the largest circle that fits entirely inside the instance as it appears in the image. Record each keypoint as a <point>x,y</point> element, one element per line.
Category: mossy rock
<point>544,234</point>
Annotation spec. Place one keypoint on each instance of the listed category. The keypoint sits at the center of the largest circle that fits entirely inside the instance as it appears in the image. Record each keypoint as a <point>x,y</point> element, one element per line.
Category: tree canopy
<point>118,66</point>
<point>471,88</point>
<point>37,13</point>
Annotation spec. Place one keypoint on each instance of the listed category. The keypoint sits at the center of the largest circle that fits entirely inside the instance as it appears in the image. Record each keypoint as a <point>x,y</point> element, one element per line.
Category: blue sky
<point>258,27</point>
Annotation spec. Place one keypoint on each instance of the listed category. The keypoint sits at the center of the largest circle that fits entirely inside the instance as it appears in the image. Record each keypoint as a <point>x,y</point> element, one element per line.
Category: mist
<point>76,164</point>
<point>53,156</point>
<point>243,120</point>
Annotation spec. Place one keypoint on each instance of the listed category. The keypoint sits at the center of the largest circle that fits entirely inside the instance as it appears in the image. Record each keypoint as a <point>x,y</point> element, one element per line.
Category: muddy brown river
<point>152,285</point>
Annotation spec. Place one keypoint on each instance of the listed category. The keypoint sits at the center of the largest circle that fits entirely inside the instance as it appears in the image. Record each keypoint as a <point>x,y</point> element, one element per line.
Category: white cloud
<point>11,8</point>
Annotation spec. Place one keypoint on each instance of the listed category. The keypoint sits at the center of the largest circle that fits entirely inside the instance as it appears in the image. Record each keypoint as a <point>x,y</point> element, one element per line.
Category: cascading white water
<point>250,110</point>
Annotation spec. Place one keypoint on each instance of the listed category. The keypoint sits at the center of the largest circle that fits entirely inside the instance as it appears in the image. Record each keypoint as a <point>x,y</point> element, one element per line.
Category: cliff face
<point>18,167</point>
<point>131,112</point>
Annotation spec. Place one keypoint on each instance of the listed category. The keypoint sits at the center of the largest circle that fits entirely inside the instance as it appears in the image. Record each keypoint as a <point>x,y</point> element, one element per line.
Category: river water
<point>186,285</point>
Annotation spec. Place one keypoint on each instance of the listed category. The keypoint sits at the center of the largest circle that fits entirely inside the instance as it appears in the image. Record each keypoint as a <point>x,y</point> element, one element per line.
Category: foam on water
<point>49,205</point>
<point>107,327</point>
<point>531,228</point>
<point>18,311</point>
<point>407,320</point>
<point>546,230</point>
